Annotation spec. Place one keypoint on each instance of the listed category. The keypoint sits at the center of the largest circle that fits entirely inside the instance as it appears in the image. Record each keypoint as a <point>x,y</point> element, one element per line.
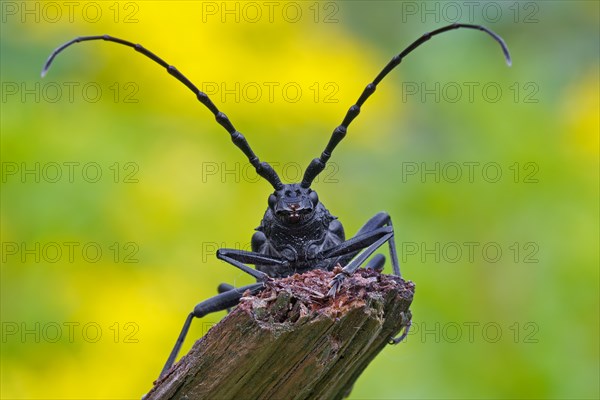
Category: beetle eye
<point>272,200</point>
<point>314,198</point>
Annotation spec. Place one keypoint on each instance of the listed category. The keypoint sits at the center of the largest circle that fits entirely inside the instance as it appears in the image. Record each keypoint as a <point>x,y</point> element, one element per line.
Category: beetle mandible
<point>297,233</point>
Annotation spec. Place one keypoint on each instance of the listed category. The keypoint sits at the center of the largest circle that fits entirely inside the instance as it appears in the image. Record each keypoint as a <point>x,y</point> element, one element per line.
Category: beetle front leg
<point>379,220</point>
<point>371,230</point>
<point>220,302</point>
<point>237,258</point>
<point>353,265</point>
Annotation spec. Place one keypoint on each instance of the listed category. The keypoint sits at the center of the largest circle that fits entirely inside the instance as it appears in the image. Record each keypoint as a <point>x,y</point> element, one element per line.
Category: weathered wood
<point>291,341</point>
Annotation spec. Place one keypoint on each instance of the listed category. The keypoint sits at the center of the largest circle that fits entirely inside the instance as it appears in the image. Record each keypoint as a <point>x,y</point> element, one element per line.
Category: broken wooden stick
<point>291,341</point>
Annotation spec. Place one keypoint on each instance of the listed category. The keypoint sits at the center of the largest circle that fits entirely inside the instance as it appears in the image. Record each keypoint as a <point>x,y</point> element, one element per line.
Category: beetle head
<point>293,204</point>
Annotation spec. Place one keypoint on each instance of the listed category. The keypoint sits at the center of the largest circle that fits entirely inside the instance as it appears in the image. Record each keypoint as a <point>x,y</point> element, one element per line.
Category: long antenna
<point>263,169</point>
<point>318,164</point>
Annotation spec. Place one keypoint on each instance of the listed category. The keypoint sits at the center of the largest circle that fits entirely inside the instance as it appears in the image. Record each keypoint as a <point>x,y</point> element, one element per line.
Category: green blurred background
<point>506,267</point>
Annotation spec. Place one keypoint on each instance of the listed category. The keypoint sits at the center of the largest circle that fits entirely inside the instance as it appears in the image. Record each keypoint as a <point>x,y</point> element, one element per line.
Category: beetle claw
<point>336,283</point>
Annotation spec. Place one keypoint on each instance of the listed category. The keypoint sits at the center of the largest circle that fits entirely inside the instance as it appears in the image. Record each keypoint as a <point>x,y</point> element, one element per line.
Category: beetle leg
<point>379,220</point>
<point>356,263</point>
<point>219,302</point>
<point>376,263</point>
<point>396,340</point>
<point>237,258</point>
<point>357,243</point>
<point>225,287</point>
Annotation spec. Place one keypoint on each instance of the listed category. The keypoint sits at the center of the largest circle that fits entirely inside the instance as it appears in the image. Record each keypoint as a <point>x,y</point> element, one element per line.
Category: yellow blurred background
<point>118,186</point>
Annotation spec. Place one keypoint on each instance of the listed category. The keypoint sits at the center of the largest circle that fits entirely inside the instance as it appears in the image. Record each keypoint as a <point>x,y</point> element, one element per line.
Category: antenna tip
<point>507,57</point>
<point>46,66</point>
<point>48,63</point>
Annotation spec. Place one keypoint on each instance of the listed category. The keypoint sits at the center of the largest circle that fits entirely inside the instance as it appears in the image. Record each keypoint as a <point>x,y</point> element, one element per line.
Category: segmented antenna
<point>318,164</point>
<point>263,169</point>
